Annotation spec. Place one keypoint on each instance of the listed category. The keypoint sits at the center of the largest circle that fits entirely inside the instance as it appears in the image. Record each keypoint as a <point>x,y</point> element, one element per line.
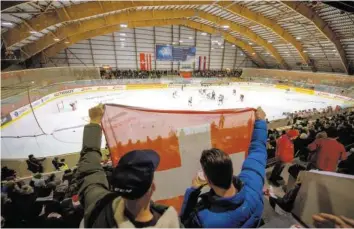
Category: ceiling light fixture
<point>6,23</point>
<point>122,39</point>
<point>190,38</point>
<point>123,34</point>
<point>270,41</point>
<point>123,25</point>
<point>304,51</point>
<point>233,45</point>
<point>56,39</point>
<point>204,34</point>
<point>226,26</point>
<point>33,32</point>
<point>334,50</point>
<point>250,43</point>
<point>180,41</point>
<point>66,42</point>
<point>298,38</point>
<point>253,53</point>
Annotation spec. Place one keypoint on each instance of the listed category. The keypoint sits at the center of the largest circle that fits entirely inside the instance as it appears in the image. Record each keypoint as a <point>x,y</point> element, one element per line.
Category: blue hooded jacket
<point>248,202</point>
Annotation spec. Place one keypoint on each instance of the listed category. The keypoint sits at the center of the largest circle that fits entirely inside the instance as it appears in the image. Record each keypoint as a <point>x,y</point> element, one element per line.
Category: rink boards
<point>21,112</point>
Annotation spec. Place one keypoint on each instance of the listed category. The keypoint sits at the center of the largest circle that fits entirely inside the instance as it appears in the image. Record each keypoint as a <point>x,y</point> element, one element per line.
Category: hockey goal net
<point>60,106</point>
<point>178,137</point>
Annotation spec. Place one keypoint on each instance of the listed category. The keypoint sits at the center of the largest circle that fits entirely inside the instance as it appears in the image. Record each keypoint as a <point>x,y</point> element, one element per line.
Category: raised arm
<point>253,168</point>
<point>92,180</point>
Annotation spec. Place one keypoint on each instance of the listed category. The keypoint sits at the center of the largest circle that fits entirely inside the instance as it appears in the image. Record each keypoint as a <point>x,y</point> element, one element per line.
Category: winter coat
<point>102,207</point>
<point>285,149</point>
<point>245,208</point>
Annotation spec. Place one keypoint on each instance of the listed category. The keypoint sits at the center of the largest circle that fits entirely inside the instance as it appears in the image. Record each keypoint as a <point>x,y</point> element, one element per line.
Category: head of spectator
<point>38,180</point>
<point>218,170</point>
<point>292,134</point>
<point>133,179</point>
<point>322,134</point>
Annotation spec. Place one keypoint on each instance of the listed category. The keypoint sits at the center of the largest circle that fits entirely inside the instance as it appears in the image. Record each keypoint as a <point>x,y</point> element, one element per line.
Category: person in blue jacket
<point>232,201</point>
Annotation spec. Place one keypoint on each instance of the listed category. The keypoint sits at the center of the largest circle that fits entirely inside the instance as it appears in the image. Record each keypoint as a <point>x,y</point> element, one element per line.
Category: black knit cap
<point>134,173</point>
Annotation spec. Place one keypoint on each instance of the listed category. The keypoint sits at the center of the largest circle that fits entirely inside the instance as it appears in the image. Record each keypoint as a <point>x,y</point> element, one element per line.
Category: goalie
<point>174,95</point>
<point>234,92</point>
<point>73,105</point>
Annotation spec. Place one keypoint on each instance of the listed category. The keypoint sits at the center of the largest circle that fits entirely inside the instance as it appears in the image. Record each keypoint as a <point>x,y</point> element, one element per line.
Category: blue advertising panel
<point>164,53</point>
<point>175,53</point>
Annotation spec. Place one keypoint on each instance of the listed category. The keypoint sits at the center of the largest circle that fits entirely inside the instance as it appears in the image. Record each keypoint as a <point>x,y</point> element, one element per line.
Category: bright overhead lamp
<point>123,34</point>
<point>226,26</point>
<point>253,53</point>
<point>222,47</point>
<point>304,51</point>
<point>250,43</point>
<point>56,39</point>
<point>33,32</point>
<point>313,54</point>
<point>180,41</point>
<point>212,48</point>
<point>298,38</point>
<point>334,50</point>
<point>6,23</point>
<point>67,42</point>
<point>241,54</point>
<point>233,45</point>
<point>190,38</point>
<point>122,39</point>
<point>270,41</point>
<point>173,43</point>
<point>123,25</point>
<point>204,34</point>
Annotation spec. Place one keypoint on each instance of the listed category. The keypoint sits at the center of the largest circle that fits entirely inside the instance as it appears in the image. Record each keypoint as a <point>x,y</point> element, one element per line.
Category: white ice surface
<point>61,141</point>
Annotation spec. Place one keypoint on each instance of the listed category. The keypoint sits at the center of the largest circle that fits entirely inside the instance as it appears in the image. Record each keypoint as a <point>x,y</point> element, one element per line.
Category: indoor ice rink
<point>65,133</point>
<point>228,114</point>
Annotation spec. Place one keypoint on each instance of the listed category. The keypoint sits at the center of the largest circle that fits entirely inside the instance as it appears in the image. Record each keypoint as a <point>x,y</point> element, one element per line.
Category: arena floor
<point>63,126</point>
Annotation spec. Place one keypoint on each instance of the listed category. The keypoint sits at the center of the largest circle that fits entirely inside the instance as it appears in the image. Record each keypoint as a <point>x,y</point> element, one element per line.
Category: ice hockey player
<point>200,91</point>
<point>213,95</point>
<point>73,105</point>
<point>287,90</point>
<point>204,91</point>
<point>174,95</point>
<point>182,87</point>
<point>220,99</point>
<point>234,92</point>
<point>242,97</point>
<point>190,100</point>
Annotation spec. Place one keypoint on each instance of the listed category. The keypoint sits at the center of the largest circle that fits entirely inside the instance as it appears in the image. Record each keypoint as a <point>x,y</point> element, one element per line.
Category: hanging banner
<point>175,53</point>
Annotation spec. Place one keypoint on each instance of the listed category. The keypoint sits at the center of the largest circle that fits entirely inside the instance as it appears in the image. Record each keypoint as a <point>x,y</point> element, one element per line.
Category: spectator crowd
<point>94,194</point>
<point>138,74</point>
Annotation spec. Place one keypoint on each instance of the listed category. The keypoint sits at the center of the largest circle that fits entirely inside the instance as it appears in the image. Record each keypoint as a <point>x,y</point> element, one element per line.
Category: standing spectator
<point>130,204</point>
<point>231,201</point>
<point>7,173</point>
<point>56,163</point>
<point>284,153</point>
<point>326,152</point>
<point>34,164</point>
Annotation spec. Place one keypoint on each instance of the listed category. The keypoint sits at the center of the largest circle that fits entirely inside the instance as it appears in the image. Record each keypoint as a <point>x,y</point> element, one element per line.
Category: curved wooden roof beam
<point>271,24</point>
<point>76,27</point>
<point>79,11</point>
<point>322,26</point>
<point>53,50</point>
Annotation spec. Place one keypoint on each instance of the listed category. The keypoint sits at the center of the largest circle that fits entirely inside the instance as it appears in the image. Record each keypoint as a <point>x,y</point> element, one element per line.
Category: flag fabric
<point>142,62</point>
<point>178,137</point>
<point>205,58</point>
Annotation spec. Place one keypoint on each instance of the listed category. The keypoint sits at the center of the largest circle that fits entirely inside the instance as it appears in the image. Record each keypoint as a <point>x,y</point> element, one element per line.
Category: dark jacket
<point>246,207</point>
<point>102,207</point>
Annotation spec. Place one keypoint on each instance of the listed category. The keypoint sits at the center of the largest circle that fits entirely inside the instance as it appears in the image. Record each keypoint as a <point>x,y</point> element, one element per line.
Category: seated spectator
<point>7,173</point>
<point>325,152</point>
<point>38,180</point>
<point>347,166</point>
<point>34,164</point>
<point>232,201</point>
<point>130,204</point>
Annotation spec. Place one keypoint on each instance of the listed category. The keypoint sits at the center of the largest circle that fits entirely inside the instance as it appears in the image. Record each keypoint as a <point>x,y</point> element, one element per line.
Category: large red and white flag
<point>178,137</point>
